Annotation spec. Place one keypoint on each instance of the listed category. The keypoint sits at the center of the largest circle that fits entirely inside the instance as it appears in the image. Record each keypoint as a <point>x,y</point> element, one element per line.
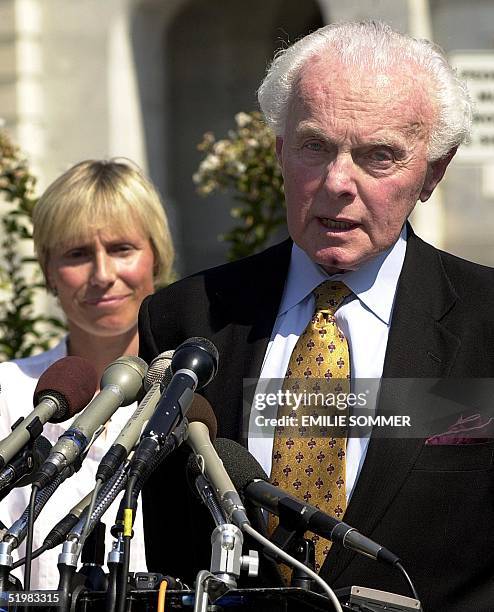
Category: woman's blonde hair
<point>97,194</point>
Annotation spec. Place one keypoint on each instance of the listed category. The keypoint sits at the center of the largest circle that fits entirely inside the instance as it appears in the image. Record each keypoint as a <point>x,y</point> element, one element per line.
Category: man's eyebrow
<point>311,131</point>
<point>314,131</point>
<point>377,141</point>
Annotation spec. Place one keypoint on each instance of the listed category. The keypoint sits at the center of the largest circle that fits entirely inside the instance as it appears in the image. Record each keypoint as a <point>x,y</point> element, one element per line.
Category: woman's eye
<point>76,254</point>
<point>122,250</point>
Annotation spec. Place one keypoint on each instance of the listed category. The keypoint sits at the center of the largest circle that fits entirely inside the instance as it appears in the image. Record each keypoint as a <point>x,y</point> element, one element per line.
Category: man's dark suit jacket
<point>431,505</point>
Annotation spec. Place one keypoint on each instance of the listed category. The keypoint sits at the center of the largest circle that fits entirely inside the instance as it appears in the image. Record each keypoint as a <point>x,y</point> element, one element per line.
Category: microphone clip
<point>289,536</point>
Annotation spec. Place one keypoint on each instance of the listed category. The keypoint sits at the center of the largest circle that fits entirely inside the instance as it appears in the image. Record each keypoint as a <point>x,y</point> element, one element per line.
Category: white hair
<point>373,45</point>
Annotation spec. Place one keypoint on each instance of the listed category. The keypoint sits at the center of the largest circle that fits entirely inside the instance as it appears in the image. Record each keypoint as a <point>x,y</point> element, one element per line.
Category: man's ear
<point>435,172</point>
<point>279,148</point>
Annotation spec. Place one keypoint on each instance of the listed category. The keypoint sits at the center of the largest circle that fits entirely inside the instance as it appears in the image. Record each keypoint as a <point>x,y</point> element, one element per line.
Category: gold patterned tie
<point>312,467</point>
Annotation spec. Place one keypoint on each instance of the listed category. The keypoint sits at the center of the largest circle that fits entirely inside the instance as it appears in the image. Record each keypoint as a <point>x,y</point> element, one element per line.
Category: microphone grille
<point>43,448</point>
<point>159,370</point>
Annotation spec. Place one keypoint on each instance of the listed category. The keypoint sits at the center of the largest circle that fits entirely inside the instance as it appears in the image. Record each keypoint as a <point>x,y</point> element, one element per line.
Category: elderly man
<point>367,121</point>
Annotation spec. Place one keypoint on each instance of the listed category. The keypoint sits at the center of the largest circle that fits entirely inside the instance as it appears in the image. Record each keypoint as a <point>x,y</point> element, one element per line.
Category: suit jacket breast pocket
<point>455,457</point>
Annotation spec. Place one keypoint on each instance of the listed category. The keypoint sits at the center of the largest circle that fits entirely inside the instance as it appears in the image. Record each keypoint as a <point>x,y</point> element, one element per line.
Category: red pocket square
<point>473,429</point>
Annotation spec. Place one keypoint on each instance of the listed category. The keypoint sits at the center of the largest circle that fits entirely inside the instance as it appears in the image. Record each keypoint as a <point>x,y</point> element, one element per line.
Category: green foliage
<point>245,165</point>
<point>22,332</point>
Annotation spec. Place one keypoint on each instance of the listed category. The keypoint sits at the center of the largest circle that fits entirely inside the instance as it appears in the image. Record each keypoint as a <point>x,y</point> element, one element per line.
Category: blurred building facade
<point>144,79</point>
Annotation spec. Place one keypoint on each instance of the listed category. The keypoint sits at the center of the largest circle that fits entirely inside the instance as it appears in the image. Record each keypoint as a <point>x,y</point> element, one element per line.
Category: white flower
<point>220,147</point>
<point>211,162</point>
<point>242,119</point>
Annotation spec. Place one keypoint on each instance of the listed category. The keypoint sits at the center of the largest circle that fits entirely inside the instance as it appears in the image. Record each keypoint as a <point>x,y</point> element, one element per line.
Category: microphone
<point>152,451</point>
<point>250,478</point>
<point>203,490</point>
<point>194,364</point>
<point>121,384</point>
<point>21,470</point>
<point>199,440</point>
<point>157,378</point>
<point>62,391</point>
<point>200,411</point>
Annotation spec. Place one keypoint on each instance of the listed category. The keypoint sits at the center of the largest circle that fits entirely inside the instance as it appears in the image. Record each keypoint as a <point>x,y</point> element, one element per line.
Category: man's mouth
<point>339,225</point>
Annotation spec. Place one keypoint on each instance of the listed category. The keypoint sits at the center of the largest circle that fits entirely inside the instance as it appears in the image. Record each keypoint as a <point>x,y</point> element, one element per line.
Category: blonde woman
<point>102,240</point>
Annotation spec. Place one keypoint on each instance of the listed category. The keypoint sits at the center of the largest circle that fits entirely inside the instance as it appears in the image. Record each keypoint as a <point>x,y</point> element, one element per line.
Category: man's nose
<point>340,177</point>
<point>103,270</point>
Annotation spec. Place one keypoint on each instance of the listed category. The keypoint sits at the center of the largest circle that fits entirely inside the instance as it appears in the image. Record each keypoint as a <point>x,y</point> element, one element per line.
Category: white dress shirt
<point>364,318</point>
<point>18,380</point>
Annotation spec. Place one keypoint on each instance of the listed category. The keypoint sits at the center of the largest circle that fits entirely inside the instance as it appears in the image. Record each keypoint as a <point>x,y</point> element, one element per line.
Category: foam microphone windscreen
<point>241,466</point>
<point>72,381</point>
<point>201,410</point>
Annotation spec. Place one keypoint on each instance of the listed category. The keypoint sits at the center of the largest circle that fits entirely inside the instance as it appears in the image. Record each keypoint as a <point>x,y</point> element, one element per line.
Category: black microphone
<point>121,384</point>
<point>21,470</point>
<point>194,364</point>
<point>249,478</point>
<point>62,391</point>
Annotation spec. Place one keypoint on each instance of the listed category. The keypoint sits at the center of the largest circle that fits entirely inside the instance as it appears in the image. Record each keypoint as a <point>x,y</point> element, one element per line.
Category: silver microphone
<point>121,385</point>
<point>200,441</point>
<point>157,378</point>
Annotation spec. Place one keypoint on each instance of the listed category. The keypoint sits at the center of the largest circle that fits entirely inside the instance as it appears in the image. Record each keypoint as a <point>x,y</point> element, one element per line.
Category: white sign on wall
<point>477,69</point>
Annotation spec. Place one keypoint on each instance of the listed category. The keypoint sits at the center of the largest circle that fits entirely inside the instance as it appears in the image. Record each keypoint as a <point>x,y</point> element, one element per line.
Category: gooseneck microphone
<point>121,385</point>
<point>63,390</point>
<point>249,478</point>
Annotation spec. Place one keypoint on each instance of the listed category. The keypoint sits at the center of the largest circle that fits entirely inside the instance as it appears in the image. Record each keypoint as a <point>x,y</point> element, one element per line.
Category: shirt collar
<point>374,283</point>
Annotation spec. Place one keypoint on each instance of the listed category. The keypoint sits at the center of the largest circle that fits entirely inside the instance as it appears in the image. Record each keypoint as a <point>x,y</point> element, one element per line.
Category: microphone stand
<point>227,560</point>
<point>115,565</point>
<point>290,538</point>
<point>67,560</point>
<point>17,532</point>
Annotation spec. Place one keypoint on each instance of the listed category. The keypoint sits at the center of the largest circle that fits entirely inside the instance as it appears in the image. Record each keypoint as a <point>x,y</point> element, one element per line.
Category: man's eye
<point>380,155</point>
<point>313,146</point>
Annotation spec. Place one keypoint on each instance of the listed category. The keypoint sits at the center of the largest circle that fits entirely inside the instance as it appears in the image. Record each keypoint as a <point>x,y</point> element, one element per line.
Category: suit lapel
<point>248,305</point>
<point>419,346</point>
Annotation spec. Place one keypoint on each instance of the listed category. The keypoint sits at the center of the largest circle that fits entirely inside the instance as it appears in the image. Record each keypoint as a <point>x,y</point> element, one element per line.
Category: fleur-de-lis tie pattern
<point>312,467</point>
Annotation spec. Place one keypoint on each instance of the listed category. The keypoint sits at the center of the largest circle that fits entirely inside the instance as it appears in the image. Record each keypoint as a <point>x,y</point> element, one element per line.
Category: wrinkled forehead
<point>399,92</point>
